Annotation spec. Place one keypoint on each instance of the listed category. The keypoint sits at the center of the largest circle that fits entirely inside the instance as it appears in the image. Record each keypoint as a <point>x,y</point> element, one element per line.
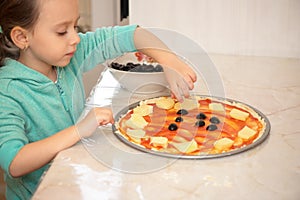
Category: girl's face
<point>54,38</point>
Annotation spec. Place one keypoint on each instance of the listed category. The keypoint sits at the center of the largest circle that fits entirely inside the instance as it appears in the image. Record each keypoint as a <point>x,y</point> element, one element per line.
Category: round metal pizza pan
<point>258,141</point>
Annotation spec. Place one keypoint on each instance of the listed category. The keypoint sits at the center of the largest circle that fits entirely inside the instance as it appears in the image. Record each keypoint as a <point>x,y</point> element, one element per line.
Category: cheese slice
<point>136,122</point>
<point>143,110</point>
<point>150,101</point>
<point>159,141</point>
<point>186,147</point>
<point>136,133</point>
<point>216,107</point>
<point>223,144</point>
<point>179,139</point>
<point>238,114</point>
<point>165,103</point>
<point>188,104</point>
<point>246,133</point>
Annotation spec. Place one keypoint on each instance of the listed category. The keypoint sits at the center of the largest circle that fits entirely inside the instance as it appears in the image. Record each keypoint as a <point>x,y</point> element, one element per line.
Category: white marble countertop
<point>102,167</point>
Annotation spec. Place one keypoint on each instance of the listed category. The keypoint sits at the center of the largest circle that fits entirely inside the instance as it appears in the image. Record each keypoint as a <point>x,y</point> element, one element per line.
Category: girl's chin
<point>64,63</point>
<point>61,65</point>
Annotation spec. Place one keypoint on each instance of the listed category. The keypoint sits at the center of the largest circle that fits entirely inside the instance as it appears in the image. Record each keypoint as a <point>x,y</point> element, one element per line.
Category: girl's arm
<point>37,154</point>
<point>180,76</point>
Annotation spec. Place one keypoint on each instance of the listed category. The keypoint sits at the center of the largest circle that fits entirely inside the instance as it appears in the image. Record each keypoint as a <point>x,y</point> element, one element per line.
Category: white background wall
<point>239,27</point>
<point>104,13</point>
<point>101,13</point>
<point>85,14</point>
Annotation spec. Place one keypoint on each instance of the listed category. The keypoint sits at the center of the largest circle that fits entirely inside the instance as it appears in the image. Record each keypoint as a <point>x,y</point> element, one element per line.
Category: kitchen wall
<point>103,13</point>
<point>85,15</point>
<point>99,13</point>
<point>106,13</point>
<point>240,27</point>
<point>94,14</point>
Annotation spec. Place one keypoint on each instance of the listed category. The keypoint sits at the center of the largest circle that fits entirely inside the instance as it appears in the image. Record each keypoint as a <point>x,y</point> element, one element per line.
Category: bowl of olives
<point>138,73</point>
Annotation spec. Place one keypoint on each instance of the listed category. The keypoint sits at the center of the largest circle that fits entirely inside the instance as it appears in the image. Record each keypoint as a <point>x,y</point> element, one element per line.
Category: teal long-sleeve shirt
<point>32,107</point>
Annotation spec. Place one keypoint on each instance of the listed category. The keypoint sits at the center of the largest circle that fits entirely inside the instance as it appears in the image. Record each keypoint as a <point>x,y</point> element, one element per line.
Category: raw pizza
<point>198,125</point>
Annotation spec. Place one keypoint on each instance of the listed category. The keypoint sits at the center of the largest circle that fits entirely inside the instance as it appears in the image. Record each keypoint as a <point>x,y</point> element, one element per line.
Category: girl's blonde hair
<point>23,13</point>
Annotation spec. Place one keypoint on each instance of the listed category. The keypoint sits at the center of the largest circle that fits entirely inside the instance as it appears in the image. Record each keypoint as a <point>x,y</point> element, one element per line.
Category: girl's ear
<point>19,37</point>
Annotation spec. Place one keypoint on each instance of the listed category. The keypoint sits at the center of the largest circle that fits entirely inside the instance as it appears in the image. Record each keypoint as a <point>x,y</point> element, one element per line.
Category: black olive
<point>211,127</point>
<point>149,68</point>
<point>117,66</point>
<point>178,119</point>
<point>143,68</point>
<point>200,123</point>
<point>137,67</point>
<point>114,65</point>
<point>173,127</point>
<point>134,69</point>
<point>126,68</point>
<point>130,64</point>
<point>158,68</point>
<point>182,112</point>
<point>214,120</point>
<point>201,116</point>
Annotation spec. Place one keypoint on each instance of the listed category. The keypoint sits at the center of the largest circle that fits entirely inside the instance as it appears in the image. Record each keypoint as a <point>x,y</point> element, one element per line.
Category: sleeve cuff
<point>8,152</point>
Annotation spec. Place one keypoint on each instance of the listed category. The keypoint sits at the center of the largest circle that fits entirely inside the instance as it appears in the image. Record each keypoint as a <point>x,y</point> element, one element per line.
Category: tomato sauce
<point>160,119</point>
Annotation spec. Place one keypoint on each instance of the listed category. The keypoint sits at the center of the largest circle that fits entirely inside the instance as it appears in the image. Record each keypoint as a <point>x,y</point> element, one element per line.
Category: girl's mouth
<point>71,54</point>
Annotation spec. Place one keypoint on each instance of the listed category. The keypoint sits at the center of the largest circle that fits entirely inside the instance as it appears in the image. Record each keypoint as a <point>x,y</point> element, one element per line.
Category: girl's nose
<point>75,39</point>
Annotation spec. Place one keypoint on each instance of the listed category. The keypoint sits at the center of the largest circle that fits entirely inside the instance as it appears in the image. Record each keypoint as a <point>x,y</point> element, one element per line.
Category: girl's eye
<point>62,33</point>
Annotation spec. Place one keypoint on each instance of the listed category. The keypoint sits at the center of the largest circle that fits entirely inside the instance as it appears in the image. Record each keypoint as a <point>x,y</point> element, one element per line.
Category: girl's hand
<point>179,75</point>
<point>103,116</point>
<point>98,116</point>
<point>181,79</point>
<point>36,154</point>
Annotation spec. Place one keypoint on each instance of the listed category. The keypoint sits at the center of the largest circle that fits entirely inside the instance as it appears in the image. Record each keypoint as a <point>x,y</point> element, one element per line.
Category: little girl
<point>41,66</point>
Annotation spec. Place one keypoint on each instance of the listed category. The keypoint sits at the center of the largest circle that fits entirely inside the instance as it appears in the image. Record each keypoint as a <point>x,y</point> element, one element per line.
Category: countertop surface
<point>102,167</point>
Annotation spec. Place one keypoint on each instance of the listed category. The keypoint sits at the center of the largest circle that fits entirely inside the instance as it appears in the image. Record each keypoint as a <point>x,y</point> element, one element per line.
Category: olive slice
<point>179,119</point>
<point>214,120</point>
<point>172,127</point>
<point>200,123</point>
<point>182,112</point>
<point>201,116</point>
<point>211,127</point>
